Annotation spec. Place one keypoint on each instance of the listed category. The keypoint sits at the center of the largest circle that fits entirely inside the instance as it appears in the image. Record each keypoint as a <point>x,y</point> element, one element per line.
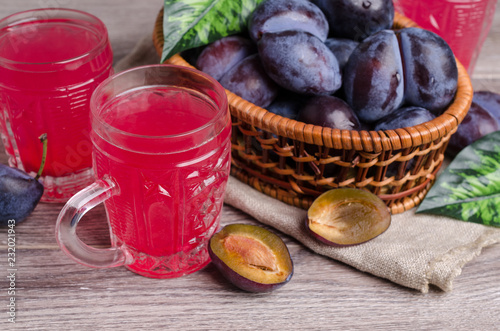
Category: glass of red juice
<point>161,158</point>
<point>51,60</point>
<point>463,24</point>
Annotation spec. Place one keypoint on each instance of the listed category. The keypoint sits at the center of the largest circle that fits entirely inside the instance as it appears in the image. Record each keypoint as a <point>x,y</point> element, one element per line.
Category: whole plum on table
<point>342,49</point>
<point>357,19</point>
<point>329,111</point>
<point>19,194</point>
<point>217,58</point>
<point>430,69</point>
<point>373,77</point>
<point>476,124</point>
<point>489,101</point>
<point>282,15</point>
<point>249,80</point>
<point>404,117</point>
<point>300,62</point>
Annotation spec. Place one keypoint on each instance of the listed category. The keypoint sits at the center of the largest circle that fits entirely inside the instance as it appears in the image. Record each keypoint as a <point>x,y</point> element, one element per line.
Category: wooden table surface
<point>55,293</point>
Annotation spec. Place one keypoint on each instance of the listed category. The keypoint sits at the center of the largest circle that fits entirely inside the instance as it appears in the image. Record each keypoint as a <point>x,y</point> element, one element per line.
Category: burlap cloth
<point>416,250</point>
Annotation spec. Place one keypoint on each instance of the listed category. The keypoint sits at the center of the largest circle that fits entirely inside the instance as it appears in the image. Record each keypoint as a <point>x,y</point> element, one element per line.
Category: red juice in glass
<point>463,24</point>
<point>51,60</point>
<point>161,157</point>
<point>180,193</point>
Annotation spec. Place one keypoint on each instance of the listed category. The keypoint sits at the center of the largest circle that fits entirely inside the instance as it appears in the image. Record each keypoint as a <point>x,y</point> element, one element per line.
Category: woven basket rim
<point>359,140</point>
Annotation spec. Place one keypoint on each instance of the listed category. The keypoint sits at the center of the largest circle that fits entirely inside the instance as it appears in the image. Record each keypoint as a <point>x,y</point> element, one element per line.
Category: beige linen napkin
<point>416,250</point>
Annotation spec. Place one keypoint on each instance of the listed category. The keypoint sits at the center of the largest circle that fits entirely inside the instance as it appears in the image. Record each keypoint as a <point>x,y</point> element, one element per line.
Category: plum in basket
<point>404,117</point>
<point>430,68</point>
<point>249,80</point>
<point>329,111</point>
<point>409,67</point>
<point>357,19</point>
<point>282,15</point>
<point>217,58</point>
<point>342,49</point>
<point>300,62</point>
<point>373,77</point>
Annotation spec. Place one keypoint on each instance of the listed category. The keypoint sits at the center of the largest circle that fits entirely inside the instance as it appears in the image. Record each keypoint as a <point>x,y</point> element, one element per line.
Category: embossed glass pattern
<point>51,60</point>
<point>161,156</point>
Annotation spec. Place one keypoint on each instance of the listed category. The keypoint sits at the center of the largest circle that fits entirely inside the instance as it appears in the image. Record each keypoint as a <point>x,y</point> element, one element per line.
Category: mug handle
<point>68,219</point>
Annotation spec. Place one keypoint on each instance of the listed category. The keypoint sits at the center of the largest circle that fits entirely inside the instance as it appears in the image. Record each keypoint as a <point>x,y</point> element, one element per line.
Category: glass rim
<point>18,18</point>
<point>222,109</point>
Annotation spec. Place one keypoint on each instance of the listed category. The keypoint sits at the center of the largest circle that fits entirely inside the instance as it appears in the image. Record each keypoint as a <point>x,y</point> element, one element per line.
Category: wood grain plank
<point>322,291</point>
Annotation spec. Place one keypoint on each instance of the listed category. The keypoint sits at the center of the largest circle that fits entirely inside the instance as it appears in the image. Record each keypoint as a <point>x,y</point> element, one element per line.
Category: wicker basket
<point>295,162</point>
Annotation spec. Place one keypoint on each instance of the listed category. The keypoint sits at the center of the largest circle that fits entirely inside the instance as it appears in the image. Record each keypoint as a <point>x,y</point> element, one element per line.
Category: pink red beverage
<point>161,138</point>
<point>463,24</point>
<point>51,60</point>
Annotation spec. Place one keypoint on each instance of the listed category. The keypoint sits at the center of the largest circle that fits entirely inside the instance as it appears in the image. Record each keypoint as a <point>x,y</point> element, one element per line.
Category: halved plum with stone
<point>430,69</point>
<point>281,15</point>
<point>373,77</point>
<point>251,257</point>
<point>329,111</point>
<point>357,19</point>
<point>217,58</point>
<point>404,117</point>
<point>300,62</point>
<point>249,80</point>
<point>347,216</point>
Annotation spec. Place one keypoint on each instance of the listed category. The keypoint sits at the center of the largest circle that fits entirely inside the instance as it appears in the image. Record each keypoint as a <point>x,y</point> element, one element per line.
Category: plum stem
<point>43,140</point>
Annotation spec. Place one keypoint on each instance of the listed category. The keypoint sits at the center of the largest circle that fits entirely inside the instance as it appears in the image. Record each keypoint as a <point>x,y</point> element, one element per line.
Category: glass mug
<point>161,158</point>
<point>51,60</point>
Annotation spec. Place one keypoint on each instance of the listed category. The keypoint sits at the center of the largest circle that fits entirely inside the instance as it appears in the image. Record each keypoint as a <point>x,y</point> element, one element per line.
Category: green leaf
<point>469,188</point>
<point>192,23</point>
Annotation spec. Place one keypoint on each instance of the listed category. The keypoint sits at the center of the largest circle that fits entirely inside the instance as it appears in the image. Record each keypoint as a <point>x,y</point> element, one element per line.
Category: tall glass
<point>51,60</point>
<point>161,156</point>
<point>463,24</point>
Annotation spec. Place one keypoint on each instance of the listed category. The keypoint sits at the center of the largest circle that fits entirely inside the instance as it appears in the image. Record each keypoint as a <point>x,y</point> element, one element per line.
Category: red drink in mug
<point>161,137</point>
<point>51,60</point>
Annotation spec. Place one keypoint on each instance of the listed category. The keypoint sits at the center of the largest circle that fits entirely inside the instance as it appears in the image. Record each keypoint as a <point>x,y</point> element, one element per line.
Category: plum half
<point>347,216</point>
<point>251,257</point>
